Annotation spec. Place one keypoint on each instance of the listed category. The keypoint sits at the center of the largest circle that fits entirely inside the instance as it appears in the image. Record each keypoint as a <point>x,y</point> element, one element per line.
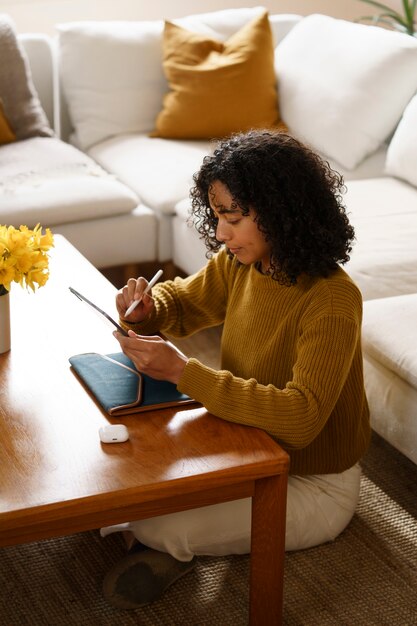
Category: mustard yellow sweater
<point>291,360</point>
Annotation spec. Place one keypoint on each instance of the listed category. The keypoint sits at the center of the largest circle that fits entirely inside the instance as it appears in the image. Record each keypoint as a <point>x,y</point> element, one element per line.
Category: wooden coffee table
<point>57,478</point>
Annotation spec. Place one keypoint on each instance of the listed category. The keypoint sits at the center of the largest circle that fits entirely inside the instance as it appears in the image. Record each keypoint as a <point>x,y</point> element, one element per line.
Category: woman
<point>271,213</point>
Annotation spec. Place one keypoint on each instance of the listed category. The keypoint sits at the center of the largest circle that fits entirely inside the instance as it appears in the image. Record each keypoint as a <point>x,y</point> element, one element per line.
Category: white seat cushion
<point>389,334</point>
<point>393,406</point>
<point>115,240</point>
<point>383,212</point>
<point>159,170</point>
<point>48,181</point>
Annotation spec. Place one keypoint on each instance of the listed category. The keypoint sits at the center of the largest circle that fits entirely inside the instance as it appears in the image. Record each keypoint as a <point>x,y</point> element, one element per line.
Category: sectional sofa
<point>121,195</point>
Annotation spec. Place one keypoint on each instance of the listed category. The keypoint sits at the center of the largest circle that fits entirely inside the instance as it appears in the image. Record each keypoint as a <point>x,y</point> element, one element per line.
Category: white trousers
<point>318,509</point>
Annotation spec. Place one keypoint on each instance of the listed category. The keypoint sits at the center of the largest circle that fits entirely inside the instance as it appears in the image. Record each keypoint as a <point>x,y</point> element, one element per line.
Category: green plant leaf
<point>411,15</point>
<point>407,11</point>
<point>401,21</point>
<point>394,14</point>
<point>378,19</point>
<point>406,21</point>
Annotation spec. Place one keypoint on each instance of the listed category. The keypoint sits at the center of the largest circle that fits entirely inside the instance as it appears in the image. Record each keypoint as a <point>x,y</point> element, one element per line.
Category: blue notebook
<point>120,389</point>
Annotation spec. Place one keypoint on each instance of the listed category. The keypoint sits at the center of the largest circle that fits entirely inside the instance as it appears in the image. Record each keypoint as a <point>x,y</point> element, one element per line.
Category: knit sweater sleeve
<point>295,414</point>
<point>184,306</point>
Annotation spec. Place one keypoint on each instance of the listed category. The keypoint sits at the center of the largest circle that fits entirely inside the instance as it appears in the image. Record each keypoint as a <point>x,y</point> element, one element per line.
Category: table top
<point>52,463</point>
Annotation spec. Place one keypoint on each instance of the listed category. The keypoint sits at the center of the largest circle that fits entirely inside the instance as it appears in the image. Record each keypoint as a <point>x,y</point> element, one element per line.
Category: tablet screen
<point>96,308</point>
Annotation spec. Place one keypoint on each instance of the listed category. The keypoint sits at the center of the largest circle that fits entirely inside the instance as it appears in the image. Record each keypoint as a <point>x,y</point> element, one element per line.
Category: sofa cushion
<point>159,170</point>
<point>112,74</point>
<point>343,86</point>
<point>387,334</point>
<point>220,24</point>
<point>402,151</point>
<point>188,249</point>
<point>199,69</point>
<point>372,166</point>
<point>116,239</point>
<point>46,180</point>
<point>6,133</point>
<point>383,212</point>
<point>393,406</point>
<point>112,77</point>
<point>20,100</point>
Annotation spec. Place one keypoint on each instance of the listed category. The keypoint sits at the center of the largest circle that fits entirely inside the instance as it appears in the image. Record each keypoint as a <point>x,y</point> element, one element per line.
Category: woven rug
<point>367,576</point>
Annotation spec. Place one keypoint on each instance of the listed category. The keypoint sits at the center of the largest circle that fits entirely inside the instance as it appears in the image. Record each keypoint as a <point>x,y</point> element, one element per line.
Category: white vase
<point>4,323</point>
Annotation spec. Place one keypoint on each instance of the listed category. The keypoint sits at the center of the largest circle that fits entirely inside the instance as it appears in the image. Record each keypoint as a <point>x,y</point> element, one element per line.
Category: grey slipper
<point>142,577</point>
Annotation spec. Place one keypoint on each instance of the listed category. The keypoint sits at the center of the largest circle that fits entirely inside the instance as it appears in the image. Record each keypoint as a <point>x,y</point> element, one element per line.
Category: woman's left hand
<point>153,356</point>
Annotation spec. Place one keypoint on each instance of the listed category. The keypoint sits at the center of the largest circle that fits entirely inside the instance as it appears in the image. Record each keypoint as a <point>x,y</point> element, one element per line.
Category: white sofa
<point>158,170</point>
<point>347,89</point>
<point>44,179</point>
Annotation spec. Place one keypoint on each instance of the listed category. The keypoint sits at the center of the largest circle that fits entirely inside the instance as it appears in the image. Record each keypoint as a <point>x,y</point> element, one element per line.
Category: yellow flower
<point>24,262</point>
<point>23,256</point>
<point>6,277</point>
<point>43,242</point>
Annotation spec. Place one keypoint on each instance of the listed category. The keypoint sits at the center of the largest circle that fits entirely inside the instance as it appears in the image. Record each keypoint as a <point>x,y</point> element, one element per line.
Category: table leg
<point>268,551</point>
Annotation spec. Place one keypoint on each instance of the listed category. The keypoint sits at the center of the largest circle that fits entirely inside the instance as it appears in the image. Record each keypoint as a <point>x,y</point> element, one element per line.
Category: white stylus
<point>147,289</point>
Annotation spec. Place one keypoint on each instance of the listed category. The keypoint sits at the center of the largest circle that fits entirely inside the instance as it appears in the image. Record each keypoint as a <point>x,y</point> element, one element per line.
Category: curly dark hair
<point>296,196</point>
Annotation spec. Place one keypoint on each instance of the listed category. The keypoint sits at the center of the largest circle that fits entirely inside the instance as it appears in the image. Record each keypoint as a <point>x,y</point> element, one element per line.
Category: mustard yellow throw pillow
<point>6,133</point>
<point>218,88</point>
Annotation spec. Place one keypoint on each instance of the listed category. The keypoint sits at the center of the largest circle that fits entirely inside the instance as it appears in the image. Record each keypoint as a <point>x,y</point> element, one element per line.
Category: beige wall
<point>41,16</point>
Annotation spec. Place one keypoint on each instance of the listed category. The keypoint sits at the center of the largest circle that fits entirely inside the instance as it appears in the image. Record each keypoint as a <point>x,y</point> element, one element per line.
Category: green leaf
<point>388,10</point>
<point>401,21</point>
<point>407,11</point>
<point>406,21</point>
<point>378,19</point>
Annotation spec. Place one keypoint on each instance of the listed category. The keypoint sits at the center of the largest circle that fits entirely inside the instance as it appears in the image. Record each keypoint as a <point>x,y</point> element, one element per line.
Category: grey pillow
<point>21,103</point>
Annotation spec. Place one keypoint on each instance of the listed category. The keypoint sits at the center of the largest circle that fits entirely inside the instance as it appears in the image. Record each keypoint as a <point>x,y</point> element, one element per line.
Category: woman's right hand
<point>133,290</point>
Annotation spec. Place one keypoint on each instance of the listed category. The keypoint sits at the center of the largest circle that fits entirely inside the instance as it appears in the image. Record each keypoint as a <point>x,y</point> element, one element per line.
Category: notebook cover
<point>124,390</point>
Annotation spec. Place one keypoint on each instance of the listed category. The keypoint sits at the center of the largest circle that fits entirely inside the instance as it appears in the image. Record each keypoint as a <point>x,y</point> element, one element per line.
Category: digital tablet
<point>96,308</point>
